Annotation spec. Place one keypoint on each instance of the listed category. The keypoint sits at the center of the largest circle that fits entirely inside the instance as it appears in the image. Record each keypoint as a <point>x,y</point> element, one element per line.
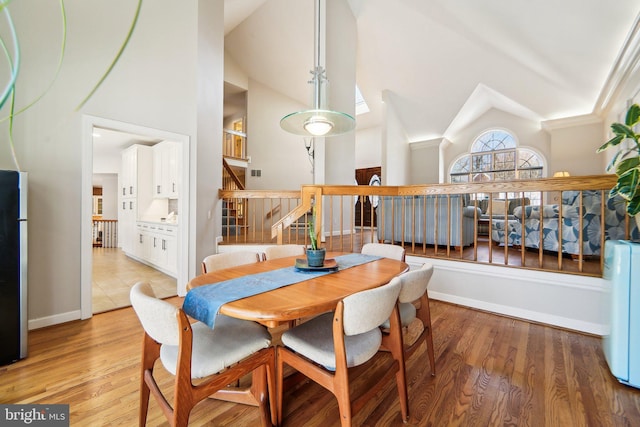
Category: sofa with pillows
<point>403,219</point>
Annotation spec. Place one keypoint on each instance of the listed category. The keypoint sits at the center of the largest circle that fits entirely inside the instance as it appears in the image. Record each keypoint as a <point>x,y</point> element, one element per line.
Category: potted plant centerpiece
<point>626,161</point>
<point>315,255</point>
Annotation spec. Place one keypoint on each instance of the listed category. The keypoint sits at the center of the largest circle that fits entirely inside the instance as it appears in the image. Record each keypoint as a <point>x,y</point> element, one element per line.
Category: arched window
<point>494,156</point>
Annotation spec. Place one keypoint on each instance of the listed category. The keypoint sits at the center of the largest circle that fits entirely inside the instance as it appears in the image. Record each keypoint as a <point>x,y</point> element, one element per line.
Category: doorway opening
<point>137,234</point>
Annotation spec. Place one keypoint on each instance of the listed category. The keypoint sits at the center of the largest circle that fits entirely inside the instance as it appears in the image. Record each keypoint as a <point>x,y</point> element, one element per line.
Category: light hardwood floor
<point>491,371</point>
<point>114,274</point>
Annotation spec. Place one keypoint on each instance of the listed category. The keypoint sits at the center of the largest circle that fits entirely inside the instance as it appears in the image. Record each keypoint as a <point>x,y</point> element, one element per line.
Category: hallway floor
<point>114,274</point>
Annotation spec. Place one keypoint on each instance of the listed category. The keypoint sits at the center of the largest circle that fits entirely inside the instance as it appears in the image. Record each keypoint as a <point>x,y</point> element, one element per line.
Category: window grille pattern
<point>494,156</point>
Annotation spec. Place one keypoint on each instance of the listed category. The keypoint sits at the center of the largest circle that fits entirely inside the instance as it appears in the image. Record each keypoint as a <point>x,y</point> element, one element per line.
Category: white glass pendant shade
<point>317,123</point>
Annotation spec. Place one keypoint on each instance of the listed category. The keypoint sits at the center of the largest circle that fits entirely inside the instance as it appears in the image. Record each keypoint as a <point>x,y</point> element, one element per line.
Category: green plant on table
<point>312,230</point>
<point>626,162</point>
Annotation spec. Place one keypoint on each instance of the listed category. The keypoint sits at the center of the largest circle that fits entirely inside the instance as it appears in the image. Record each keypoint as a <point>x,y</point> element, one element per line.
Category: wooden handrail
<point>273,211</point>
<point>232,174</point>
<point>307,194</point>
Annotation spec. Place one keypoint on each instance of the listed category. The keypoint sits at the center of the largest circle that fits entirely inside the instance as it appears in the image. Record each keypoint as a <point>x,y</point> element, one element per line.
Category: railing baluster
<point>523,231</point>
<point>104,234</point>
<point>507,229</point>
<point>560,233</point>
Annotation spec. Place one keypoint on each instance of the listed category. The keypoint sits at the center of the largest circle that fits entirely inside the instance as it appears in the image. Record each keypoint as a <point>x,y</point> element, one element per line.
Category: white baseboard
<point>533,316</point>
<point>54,320</point>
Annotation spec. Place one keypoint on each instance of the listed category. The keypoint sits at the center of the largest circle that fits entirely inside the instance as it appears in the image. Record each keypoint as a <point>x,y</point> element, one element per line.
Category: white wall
<point>155,84</point>
<point>537,296</point>
<point>573,149</point>
<point>233,73</point>
<point>340,62</point>
<point>395,149</point>
<point>279,155</point>
<point>207,158</point>
<point>424,163</point>
<point>368,148</point>
<point>109,182</point>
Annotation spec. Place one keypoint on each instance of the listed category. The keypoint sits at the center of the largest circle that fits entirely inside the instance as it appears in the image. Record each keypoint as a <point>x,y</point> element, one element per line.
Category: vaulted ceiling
<point>443,63</point>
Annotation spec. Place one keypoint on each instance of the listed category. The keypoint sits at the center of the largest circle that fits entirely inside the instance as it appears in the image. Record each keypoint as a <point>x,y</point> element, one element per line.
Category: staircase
<point>233,221</point>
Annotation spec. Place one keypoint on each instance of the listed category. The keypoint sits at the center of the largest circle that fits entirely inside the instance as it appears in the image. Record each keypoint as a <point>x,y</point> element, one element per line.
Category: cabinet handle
<point>154,242</point>
<point>131,189</point>
<point>140,238</point>
<point>124,206</point>
<point>164,246</point>
<point>157,189</point>
<point>173,187</point>
<point>124,191</point>
<point>131,205</point>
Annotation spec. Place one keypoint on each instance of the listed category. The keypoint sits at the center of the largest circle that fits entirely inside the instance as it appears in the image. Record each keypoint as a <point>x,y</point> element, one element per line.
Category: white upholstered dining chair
<point>385,250</point>
<point>414,292</point>
<point>281,251</point>
<point>325,347</point>
<point>228,260</point>
<point>189,351</point>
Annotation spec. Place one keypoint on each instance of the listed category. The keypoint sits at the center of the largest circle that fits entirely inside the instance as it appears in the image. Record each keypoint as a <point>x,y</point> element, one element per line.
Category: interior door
<point>366,176</point>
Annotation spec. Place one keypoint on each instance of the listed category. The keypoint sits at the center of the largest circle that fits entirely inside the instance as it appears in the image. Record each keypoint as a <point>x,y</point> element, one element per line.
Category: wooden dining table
<point>303,299</point>
<point>306,298</point>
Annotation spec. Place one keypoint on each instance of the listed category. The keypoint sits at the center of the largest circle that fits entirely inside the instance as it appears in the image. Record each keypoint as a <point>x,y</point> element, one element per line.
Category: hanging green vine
<point>13,61</point>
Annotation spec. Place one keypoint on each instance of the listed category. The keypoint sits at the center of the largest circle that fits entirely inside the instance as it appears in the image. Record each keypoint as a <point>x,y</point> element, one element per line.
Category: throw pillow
<point>498,207</point>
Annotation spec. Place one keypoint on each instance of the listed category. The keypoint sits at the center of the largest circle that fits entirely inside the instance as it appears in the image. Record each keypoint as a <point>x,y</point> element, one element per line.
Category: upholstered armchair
<point>532,218</point>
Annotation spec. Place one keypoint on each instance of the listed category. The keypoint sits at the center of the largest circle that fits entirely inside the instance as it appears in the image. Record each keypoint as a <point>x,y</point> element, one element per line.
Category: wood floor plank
<point>491,370</point>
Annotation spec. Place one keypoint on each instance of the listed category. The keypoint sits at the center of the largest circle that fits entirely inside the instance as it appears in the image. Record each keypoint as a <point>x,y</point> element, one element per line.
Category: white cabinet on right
<point>169,250</point>
<point>167,160</point>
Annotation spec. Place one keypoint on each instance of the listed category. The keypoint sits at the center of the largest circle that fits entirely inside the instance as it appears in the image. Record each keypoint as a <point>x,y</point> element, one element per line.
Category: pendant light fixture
<point>318,121</point>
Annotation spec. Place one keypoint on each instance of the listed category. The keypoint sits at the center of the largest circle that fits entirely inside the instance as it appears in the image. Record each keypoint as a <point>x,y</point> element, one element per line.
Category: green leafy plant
<point>312,230</point>
<point>626,162</point>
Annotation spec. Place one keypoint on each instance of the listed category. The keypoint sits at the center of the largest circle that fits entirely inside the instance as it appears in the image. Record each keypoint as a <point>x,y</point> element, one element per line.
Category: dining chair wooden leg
<point>344,408</point>
<point>424,314</point>
<point>396,346</point>
<point>341,382</point>
<point>150,352</point>
<point>271,382</point>
<point>279,384</point>
<point>259,386</point>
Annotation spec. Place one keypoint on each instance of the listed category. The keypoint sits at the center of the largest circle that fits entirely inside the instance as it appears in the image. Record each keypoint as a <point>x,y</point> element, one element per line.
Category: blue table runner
<point>204,302</point>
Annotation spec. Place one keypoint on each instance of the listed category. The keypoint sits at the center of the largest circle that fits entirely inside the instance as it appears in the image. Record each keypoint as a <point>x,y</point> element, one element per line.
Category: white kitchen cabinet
<point>127,225</point>
<point>166,253</point>
<point>141,243</point>
<point>167,156</point>
<point>136,171</point>
<point>156,245</point>
<point>135,194</point>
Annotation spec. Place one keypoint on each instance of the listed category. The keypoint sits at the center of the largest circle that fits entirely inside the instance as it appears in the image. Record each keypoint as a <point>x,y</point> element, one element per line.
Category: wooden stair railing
<point>232,175</point>
<point>307,194</point>
<point>272,212</point>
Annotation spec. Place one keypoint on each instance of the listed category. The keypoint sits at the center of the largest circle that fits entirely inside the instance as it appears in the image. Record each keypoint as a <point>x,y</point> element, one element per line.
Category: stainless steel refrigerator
<point>13,266</point>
